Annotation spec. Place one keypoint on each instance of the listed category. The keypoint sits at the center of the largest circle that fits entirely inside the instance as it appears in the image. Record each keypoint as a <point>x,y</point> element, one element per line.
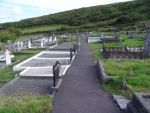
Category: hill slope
<point>96,16</point>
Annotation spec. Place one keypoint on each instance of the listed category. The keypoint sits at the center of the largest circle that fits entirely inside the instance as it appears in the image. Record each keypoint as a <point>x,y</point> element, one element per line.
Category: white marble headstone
<point>7,57</point>
<point>55,39</point>
<point>42,43</point>
<point>50,39</point>
<point>21,44</point>
<point>29,44</point>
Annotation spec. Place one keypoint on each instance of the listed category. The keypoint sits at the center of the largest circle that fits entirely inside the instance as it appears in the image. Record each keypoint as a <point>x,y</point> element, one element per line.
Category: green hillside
<point>91,17</point>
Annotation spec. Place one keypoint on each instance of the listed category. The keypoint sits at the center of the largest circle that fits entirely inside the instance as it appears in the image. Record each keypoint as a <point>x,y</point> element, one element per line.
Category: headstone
<point>21,44</point>
<point>18,46</point>
<point>50,39</point>
<point>86,36</point>
<point>147,45</point>
<point>56,72</point>
<point>29,44</point>
<point>139,103</point>
<point>113,32</point>
<point>102,35</point>
<point>55,39</point>
<point>42,43</point>
<point>11,47</point>
<point>7,57</point>
<point>71,54</point>
<point>78,39</point>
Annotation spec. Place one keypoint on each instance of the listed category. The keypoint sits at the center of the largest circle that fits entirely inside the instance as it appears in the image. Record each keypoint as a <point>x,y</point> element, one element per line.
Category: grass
<point>95,47</point>
<point>7,73</point>
<point>26,37</point>
<point>136,73</point>
<point>131,42</point>
<point>42,28</point>
<point>33,104</point>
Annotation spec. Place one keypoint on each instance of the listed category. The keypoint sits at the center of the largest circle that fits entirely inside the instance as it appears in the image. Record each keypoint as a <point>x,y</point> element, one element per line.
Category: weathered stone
<point>139,104</point>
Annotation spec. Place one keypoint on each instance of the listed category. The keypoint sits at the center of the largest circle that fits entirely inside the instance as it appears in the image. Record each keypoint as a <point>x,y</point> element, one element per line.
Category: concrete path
<point>80,90</point>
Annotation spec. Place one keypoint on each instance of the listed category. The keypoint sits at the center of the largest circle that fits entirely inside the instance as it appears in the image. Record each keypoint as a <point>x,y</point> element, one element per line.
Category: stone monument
<point>147,45</point>
<point>29,44</point>
<point>7,57</point>
<point>42,43</point>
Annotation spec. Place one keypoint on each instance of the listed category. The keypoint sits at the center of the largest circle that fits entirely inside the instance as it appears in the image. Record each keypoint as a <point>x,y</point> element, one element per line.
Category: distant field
<point>27,37</point>
<point>43,28</point>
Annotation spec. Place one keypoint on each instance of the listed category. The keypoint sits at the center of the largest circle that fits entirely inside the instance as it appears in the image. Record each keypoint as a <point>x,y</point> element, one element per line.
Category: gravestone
<point>18,46</point>
<point>71,54</point>
<point>113,32</point>
<point>29,44</point>
<point>102,35</point>
<point>50,39</point>
<point>55,39</point>
<point>11,47</point>
<point>42,43</point>
<point>139,103</point>
<point>7,57</point>
<point>56,71</point>
<point>21,44</point>
<point>147,46</point>
<point>86,36</point>
<point>78,40</point>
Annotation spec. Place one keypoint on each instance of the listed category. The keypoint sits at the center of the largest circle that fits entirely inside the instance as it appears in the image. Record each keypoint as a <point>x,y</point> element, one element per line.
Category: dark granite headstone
<point>139,103</point>
<point>147,45</point>
<point>56,71</point>
<point>71,54</point>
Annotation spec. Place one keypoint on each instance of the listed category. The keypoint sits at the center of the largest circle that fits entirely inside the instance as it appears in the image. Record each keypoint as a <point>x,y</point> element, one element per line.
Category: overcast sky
<point>14,10</point>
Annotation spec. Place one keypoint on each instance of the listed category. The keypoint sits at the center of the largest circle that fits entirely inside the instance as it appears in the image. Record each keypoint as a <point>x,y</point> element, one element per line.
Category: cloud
<point>17,11</point>
<point>20,9</point>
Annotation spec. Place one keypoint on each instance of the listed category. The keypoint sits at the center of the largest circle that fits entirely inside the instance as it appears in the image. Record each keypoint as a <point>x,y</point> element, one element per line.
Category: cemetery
<point>124,69</point>
<point>122,66</point>
<point>95,59</point>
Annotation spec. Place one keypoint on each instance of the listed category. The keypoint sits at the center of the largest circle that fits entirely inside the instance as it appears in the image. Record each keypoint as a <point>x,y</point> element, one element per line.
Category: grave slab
<point>44,62</point>
<point>40,72</point>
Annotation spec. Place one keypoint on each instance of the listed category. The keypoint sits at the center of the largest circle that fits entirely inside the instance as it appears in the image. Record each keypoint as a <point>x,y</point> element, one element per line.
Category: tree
<point>17,31</point>
<point>123,19</point>
<point>6,35</point>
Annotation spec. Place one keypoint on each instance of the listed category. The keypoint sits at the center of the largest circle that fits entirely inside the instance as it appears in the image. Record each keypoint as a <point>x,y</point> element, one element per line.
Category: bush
<point>123,19</point>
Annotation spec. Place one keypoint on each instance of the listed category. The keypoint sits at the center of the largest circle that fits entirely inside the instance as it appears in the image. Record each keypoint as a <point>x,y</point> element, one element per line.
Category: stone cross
<point>7,57</point>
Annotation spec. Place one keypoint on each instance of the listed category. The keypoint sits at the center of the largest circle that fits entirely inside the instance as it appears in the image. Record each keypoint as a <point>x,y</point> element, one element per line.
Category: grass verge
<point>136,73</point>
<point>34,104</point>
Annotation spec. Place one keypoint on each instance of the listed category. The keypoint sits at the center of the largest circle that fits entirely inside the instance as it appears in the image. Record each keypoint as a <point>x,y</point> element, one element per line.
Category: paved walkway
<point>80,90</point>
